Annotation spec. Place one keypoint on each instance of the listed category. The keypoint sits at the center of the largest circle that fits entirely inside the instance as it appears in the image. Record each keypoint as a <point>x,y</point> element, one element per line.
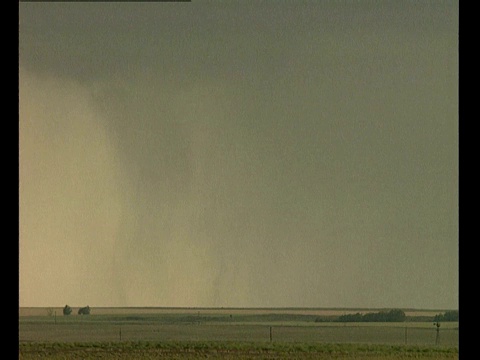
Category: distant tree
<point>374,317</point>
<point>350,317</point>
<point>67,310</point>
<point>395,315</point>
<point>451,315</point>
<point>50,311</point>
<point>84,310</point>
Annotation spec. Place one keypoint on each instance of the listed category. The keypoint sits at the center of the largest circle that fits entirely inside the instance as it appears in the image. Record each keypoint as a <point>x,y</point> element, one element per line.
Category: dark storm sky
<point>239,153</point>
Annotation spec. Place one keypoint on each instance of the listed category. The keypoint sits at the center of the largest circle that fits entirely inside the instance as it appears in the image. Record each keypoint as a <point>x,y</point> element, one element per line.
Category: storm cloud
<point>239,154</point>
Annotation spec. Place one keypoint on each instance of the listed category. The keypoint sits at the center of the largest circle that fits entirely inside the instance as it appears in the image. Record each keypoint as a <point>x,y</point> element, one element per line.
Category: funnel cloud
<point>241,154</point>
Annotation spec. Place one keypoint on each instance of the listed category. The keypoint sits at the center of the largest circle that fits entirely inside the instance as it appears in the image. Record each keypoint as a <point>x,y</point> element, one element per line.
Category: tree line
<point>394,315</point>
<point>451,315</point>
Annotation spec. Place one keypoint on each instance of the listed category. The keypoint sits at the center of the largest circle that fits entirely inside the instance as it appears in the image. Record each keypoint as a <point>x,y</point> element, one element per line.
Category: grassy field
<point>227,334</point>
<point>229,350</point>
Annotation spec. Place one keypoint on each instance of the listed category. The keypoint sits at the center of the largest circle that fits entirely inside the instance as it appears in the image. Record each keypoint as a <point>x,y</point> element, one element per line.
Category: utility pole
<point>406,340</point>
<point>270,334</point>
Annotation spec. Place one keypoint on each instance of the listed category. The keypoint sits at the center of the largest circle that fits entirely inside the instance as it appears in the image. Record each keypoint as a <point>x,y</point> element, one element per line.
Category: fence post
<point>270,334</point>
<point>437,324</point>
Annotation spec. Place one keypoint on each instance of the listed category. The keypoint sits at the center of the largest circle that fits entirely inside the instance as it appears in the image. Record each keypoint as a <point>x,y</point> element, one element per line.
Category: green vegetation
<point>395,315</point>
<point>225,335</point>
<point>229,350</point>
<point>67,310</point>
<point>84,310</point>
<point>447,316</point>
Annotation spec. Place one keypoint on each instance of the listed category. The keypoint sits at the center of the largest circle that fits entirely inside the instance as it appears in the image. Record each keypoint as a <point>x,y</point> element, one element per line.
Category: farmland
<point>227,333</point>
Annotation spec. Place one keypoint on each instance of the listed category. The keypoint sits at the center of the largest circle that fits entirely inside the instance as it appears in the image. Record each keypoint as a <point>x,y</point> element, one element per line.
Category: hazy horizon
<point>240,154</point>
<point>239,308</point>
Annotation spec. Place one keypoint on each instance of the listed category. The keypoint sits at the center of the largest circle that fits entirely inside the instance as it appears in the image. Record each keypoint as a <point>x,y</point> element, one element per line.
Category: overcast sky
<point>240,153</point>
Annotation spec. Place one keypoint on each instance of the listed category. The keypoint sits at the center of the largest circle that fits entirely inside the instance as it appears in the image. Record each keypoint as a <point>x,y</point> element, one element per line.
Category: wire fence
<point>101,331</point>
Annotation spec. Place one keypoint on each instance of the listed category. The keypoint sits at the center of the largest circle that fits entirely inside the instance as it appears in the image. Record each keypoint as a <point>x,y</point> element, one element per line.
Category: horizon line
<point>255,307</point>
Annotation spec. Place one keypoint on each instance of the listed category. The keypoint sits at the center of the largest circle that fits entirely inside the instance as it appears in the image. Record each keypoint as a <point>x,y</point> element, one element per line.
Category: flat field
<point>226,333</point>
<point>230,350</point>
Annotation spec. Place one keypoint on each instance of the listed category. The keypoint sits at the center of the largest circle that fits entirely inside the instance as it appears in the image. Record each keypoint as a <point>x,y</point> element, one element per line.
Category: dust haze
<point>239,154</point>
